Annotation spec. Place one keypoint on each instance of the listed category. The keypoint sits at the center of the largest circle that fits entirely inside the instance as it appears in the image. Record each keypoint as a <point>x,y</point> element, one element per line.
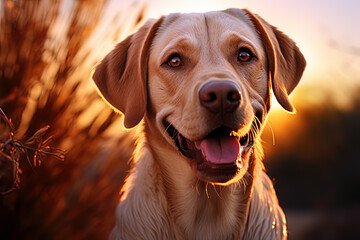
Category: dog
<point>201,85</point>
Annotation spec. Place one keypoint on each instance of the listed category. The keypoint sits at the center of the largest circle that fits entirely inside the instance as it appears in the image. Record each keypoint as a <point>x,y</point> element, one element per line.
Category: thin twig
<point>6,156</point>
<point>7,121</point>
<point>6,143</point>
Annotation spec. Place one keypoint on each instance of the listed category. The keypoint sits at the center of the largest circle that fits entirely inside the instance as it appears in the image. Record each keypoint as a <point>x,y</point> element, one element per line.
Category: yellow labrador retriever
<point>202,83</point>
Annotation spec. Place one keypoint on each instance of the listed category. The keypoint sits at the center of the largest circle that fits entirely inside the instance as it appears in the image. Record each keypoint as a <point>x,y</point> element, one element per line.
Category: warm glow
<point>47,52</point>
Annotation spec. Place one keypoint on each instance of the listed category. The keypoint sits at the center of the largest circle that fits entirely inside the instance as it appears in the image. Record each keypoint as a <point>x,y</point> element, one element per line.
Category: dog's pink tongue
<point>219,149</point>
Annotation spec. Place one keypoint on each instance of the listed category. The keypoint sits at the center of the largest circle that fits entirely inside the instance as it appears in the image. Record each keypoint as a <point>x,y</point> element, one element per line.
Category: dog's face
<point>207,82</point>
<point>204,81</point>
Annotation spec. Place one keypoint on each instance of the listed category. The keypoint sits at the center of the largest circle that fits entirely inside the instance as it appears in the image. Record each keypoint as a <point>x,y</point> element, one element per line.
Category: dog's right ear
<point>286,62</point>
<point>121,77</point>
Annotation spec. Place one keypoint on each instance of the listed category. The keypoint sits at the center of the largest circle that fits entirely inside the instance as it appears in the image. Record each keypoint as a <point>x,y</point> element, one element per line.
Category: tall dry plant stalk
<point>45,66</point>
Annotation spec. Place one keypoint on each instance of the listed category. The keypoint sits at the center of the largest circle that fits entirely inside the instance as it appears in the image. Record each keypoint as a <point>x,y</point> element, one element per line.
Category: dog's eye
<point>174,61</point>
<point>245,55</point>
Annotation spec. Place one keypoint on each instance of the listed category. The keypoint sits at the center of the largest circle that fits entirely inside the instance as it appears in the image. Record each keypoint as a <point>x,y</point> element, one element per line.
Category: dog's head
<point>204,81</point>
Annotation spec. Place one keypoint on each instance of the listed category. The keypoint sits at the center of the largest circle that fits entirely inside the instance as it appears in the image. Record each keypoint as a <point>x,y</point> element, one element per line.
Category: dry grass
<point>45,66</point>
<point>11,150</point>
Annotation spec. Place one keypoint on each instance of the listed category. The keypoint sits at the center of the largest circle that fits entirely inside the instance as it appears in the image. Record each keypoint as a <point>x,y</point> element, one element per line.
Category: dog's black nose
<point>220,96</point>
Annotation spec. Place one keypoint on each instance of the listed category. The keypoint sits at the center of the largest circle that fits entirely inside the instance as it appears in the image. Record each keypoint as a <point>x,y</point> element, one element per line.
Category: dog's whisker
<point>197,186</point>
<point>249,175</point>
<point>244,182</point>
<point>216,191</point>
<point>257,123</point>
<point>257,120</point>
<point>252,134</point>
<point>243,185</point>
<point>272,132</point>
<point>206,190</point>
<point>170,124</point>
<point>256,126</point>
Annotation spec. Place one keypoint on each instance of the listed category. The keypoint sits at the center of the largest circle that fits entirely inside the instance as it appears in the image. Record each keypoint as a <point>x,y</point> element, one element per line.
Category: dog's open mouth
<point>219,156</point>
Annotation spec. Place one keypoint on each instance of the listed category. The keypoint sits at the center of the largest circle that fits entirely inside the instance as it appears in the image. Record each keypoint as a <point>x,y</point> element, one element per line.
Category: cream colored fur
<point>143,212</point>
<point>164,196</point>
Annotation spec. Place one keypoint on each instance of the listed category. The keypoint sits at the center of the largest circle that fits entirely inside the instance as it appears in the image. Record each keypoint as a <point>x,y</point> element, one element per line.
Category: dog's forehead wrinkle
<point>232,38</point>
<point>185,22</point>
<point>186,43</point>
<point>184,35</point>
<point>208,34</point>
<point>232,24</point>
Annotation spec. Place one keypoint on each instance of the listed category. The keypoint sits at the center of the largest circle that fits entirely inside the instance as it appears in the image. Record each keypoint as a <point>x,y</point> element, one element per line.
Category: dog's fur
<point>168,195</point>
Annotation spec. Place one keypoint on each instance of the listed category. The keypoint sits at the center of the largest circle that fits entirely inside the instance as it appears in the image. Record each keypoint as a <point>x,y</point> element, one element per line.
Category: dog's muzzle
<point>219,156</point>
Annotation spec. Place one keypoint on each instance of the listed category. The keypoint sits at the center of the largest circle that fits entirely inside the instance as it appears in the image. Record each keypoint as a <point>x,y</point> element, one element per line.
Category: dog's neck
<point>218,212</point>
<point>162,199</point>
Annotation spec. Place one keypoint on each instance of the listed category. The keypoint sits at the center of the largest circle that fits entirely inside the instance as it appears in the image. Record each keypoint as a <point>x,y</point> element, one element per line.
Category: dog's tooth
<point>197,145</point>
<point>240,163</point>
<point>203,154</point>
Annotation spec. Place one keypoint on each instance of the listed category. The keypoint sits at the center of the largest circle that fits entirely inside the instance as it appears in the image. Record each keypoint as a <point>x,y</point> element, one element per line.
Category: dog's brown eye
<point>174,61</point>
<point>245,55</point>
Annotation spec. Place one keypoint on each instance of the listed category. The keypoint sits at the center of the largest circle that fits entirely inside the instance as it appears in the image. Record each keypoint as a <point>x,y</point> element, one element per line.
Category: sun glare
<point>186,6</point>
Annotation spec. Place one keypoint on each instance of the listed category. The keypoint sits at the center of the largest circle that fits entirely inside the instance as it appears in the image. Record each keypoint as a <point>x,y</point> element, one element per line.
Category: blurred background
<point>64,153</point>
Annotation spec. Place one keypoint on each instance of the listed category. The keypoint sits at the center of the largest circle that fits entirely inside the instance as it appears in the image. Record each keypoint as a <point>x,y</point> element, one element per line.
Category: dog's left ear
<point>121,76</point>
<point>286,62</point>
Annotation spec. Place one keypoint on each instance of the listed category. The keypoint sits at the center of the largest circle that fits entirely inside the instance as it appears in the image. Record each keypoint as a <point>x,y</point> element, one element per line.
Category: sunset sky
<point>326,31</point>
